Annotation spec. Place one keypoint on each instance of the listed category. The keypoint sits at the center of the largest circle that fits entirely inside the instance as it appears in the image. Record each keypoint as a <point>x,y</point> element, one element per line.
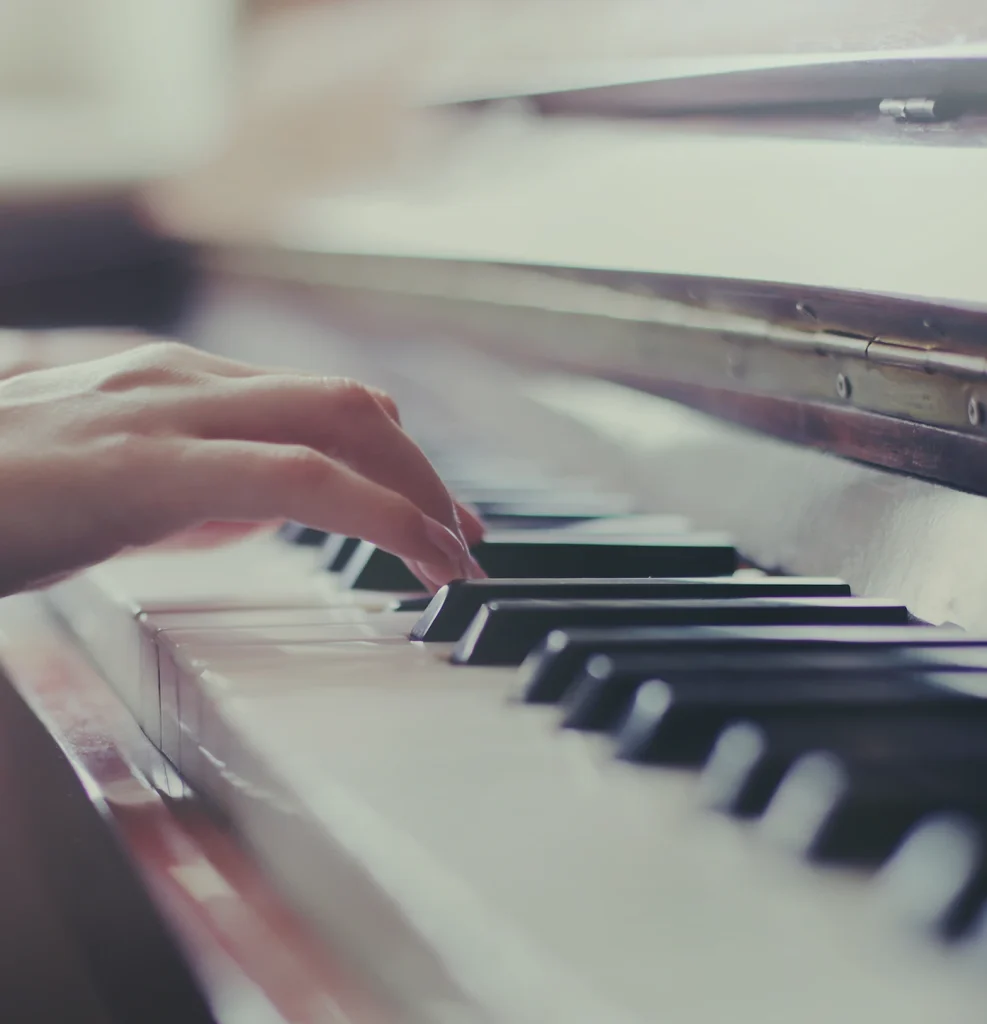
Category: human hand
<point>22,351</point>
<point>132,448</point>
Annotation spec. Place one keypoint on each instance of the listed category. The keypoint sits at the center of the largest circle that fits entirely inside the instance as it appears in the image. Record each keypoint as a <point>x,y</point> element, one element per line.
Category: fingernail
<point>471,515</point>
<point>446,543</point>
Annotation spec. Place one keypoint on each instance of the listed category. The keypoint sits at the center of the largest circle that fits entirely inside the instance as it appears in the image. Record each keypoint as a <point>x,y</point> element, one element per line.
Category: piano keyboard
<point>626,779</point>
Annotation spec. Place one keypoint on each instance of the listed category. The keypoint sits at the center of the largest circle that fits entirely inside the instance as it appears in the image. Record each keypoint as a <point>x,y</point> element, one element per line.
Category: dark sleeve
<point>89,262</point>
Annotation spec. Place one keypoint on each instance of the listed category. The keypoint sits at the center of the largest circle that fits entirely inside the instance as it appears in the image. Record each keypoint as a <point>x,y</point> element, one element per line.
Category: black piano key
<point>503,632</point>
<point>372,568</point>
<point>600,697</point>
<point>301,535</point>
<point>750,759</point>
<point>525,554</point>
<point>337,551</point>
<point>831,809</point>
<point>677,722</point>
<point>551,497</point>
<point>545,509</point>
<point>454,606</point>
<point>541,554</point>
<point>416,603</point>
<point>937,878</point>
<point>554,665</point>
<point>522,520</point>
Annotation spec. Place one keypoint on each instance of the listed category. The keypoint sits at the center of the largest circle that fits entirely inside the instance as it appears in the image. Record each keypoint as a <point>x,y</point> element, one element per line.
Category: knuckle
<point>302,469</point>
<point>354,400</point>
<point>399,518</point>
<point>121,445</point>
<point>164,351</point>
<point>158,362</point>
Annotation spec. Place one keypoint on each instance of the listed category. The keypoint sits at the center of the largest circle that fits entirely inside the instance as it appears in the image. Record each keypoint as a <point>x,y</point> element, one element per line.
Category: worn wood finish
<point>777,391</point>
<point>79,938</point>
<point>106,842</point>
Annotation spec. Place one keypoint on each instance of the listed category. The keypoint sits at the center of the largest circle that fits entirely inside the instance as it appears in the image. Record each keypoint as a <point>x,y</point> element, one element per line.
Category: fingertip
<point>422,573</point>
<point>470,523</point>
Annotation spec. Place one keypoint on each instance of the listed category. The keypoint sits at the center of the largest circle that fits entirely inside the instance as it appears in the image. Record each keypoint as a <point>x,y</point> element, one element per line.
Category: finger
<point>243,480</point>
<point>213,534</point>
<point>471,525</point>
<point>343,420</point>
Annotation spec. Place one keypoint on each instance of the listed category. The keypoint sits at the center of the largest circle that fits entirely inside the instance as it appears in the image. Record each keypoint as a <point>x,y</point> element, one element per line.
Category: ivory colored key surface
<point>262,578</point>
<point>251,645</point>
<point>487,867</point>
<point>482,864</point>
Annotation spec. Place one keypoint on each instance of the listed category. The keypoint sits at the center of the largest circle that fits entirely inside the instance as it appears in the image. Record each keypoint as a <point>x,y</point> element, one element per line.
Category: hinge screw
<point>974,411</point>
<point>843,386</point>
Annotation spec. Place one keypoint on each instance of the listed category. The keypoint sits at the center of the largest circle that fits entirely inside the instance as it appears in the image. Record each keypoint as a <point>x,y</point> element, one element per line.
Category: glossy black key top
<point>546,509</point>
<point>337,551</point>
<point>503,632</point>
<point>937,878</point>
<point>677,722</point>
<point>562,553</point>
<point>552,667</point>
<point>301,535</point>
<point>750,759</point>
<point>372,568</point>
<point>830,809</point>
<point>452,609</point>
<point>415,603</point>
<point>600,697</point>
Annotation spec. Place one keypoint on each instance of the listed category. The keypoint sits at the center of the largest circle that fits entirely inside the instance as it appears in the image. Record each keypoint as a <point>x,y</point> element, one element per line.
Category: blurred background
<point>132,128</point>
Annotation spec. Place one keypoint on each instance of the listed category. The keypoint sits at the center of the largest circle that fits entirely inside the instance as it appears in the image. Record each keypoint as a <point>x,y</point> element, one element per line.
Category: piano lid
<point>674,85</point>
<point>795,243</point>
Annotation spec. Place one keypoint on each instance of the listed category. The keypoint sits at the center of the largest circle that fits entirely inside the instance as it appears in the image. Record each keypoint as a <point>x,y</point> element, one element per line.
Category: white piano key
<point>515,872</point>
<point>481,863</point>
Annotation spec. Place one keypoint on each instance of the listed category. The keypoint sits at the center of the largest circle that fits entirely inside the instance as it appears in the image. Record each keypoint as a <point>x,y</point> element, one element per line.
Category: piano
<point>705,342</point>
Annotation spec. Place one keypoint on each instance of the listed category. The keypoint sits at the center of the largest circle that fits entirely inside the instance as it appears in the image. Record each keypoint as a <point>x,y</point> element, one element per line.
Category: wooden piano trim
<point>250,953</point>
<point>769,357</point>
